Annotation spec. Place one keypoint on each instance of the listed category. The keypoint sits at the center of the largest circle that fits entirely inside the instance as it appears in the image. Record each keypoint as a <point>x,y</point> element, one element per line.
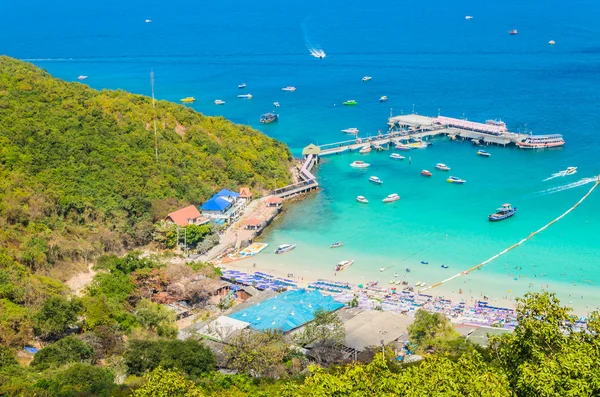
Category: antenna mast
<point>154,109</point>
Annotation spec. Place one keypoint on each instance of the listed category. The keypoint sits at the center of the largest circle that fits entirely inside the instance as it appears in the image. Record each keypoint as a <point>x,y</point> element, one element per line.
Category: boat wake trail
<point>568,186</point>
<point>556,175</point>
<point>315,51</point>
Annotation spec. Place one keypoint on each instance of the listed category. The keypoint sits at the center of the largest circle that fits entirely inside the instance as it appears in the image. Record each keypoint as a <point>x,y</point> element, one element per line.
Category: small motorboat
<point>337,244</point>
<point>243,85</point>
<point>456,180</point>
<point>504,212</point>
<point>468,17</point>
<point>513,32</point>
<point>245,96</point>
<point>570,170</point>
<point>551,42</point>
<point>365,149</point>
<point>188,99</point>
<point>343,265</point>
<point>285,248</point>
<point>359,164</point>
<point>367,78</point>
<point>381,269</point>
<point>424,263</point>
<point>276,104</point>
<point>352,131</point>
<point>82,77</point>
<point>219,102</point>
<point>392,281</point>
<point>426,173</point>
<point>375,180</point>
<point>445,266</point>
<point>350,102</point>
<point>148,20</point>
<point>289,88</point>
<point>391,198</point>
<point>383,98</point>
<point>269,118</point>
<point>396,156</point>
<point>442,167</point>
<point>483,153</point>
<point>407,270</point>
<point>401,146</point>
<point>418,145</point>
<point>362,199</point>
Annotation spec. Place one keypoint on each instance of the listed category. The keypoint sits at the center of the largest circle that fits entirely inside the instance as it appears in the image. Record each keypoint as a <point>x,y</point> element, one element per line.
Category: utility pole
<point>154,110</point>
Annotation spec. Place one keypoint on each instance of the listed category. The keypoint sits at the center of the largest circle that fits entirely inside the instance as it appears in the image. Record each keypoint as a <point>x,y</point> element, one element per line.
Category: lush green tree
<point>67,350</point>
<point>156,318</point>
<point>189,356</point>
<point>7,357</point>
<point>15,324</point>
<point>78,380</point>
<point>167,383</point>
<point>325,327</point>
<point>56,316</point>
<point>257,353</point>
<point>434,332</point>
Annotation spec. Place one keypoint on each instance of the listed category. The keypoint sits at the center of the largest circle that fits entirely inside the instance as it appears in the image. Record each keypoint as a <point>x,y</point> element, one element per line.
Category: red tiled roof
<point>245,192</point>
<point>253,222</point>
<point>181,217</point>
<point>274,200</point>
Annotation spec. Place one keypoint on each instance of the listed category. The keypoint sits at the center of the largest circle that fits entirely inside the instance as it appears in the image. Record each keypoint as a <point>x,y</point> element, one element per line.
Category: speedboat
<point>243,85</point>
<point>426,173</point>
<point>365,149</point>
<point>276,104</point>
<point>454,179</point>
<point>381,269</point>
<point>506,211</point>
<point>337,244</point>
<point>367,78</point>
<point>269,118</point>
<point>148,20</point>
<point>359,164</point>
<point>513,32</point>
<point>396,156</point>
<point>424,263</point>
<point>570,170</point>
<point>350,102</point>
<point>219,102</point>
<point>317,53</point>
<point>442,167</point>
<point>552,42</point>
<point>285,248</point>
<point>375,180</point>
<point>418,145</point>
<point>82,77</point>
<point>343,265</point>
<point>468,17</point>
<point>401,146</point>
<point>188,99</point>
<point>352,130</point>
<point>289,88</point>
<point>362,199</point>
<point>444,266</point>
<point>483,153</point>
<point>383,99</point>
<point>245,96</point>
<point>390,198</point>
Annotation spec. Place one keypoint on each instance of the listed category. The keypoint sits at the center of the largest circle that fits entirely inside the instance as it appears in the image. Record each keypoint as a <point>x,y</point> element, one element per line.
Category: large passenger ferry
<point>541,141</point>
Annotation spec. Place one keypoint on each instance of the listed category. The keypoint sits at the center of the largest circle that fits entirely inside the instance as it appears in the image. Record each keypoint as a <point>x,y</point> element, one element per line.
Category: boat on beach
<point>343,265</point>
<point>442,167</point>
<point>570,170</point>
<point>426,173</point>
<point>350,102</point>
<point>282,249</point>
<point>383,98</point>
<point>375,180</point>
<point>219,102</point>
<point>504,212</point>
<point>269,118</point>
<point>289,88</point>
<point>359,164</point>
<point>456,180</point>
<point>362,199</point>
<point>367,78</point>
<point>365,149</point>
<point>245,96</point>
<point>483,153</point>
<point>391,198</point>
<point>352,131</point>
<point>396,156</point>
<point>243,85</point>
<point>188,99</point>
<point>337,244</point>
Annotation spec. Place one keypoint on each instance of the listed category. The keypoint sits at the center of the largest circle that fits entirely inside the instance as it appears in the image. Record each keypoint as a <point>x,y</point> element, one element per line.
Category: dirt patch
<point>81,280</point>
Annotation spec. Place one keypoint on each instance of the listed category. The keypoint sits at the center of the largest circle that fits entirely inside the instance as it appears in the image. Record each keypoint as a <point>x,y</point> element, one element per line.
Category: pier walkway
<point>307,181</point>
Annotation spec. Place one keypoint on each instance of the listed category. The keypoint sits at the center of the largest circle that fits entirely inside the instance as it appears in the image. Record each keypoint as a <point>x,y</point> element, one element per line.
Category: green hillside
<point>78,174</point>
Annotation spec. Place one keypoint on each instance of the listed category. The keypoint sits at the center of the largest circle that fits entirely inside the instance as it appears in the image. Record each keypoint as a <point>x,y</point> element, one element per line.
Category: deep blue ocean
<point>425,56</point>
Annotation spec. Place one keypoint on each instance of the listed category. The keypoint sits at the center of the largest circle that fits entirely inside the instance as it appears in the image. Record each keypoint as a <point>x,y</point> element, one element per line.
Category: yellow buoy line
<point>465,272</point>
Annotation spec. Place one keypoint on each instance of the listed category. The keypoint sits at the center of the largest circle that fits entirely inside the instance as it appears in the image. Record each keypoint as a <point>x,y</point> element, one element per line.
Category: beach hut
<point>311,149</point>
<point>245,193</point>
<point>253,223</point>
<point>274,201</point>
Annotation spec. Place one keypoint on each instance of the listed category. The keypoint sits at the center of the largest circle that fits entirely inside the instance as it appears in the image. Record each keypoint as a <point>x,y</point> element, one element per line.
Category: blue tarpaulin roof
<point>226,193</point>
<point>215,204</point>
<point>286,311</point>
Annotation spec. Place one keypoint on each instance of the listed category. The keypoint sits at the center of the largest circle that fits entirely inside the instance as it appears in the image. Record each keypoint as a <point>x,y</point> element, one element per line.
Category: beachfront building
<point>225,206</point>
<point>186,216</point>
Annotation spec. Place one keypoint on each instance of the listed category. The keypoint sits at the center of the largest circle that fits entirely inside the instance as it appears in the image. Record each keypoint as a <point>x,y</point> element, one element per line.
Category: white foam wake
<point>568,186</point>
<point>557,175</point>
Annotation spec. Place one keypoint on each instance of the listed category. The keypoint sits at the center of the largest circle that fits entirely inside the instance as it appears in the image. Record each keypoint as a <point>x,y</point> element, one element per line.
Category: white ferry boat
<point>391,197</point>
<point>289,88</point>
<point>541,141</point>
<point>365,149</point>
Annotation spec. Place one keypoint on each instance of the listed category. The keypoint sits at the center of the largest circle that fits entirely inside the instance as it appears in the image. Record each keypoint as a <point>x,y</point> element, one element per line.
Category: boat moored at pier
<point>541,141</point>
<point>504,212</point>
<point>365,149</point>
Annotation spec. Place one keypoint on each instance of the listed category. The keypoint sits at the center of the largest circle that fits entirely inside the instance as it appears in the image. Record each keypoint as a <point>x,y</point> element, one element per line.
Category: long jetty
<point>307,181</point>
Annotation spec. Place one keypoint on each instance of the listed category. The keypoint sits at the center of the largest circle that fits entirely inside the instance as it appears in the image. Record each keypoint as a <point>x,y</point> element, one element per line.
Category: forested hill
<point>77,165</point>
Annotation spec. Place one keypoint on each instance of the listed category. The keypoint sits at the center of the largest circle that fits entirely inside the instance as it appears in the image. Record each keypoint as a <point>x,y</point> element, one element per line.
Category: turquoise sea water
<point>421,54</point>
